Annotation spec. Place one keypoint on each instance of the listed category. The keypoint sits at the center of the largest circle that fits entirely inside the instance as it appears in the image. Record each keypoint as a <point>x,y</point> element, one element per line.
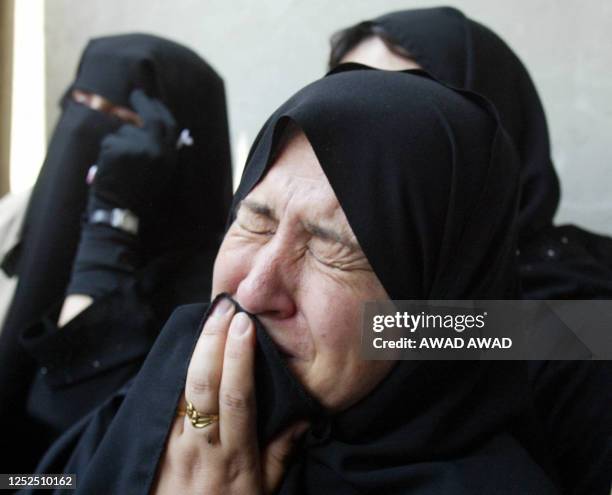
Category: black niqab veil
<point>197,204</point>
<point>465,54</point>
<point>431,194</point>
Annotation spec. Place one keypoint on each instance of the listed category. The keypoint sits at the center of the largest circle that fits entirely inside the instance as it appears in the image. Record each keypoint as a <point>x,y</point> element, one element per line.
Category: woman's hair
<point>343,41</point>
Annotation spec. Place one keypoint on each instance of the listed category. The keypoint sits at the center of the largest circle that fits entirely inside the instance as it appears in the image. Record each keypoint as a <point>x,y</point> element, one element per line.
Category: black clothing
<point>555,262</point>
<point>133,170</point>
<point>566,262</point>
<point>96,345</point>
<point>465,54</point>
<point>431,194</point>
<point>106,259</point>
<point>89,358</point>
<point>48,245</point>
<point>136,164</point>
<point>176,252</point>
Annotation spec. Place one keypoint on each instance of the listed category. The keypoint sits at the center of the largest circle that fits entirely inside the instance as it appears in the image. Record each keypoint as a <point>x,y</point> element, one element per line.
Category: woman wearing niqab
<point>50,377</point>
<point>431,194</point>
<point>573,399</point>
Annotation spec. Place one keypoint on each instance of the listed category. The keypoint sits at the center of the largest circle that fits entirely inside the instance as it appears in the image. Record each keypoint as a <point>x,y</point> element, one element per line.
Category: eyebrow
<point>327,234</point>
<point>319,231</point>
<point>258,208</point>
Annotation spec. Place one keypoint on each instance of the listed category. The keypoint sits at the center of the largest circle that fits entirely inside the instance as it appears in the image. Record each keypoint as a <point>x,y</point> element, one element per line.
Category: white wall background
<point>268,49</point>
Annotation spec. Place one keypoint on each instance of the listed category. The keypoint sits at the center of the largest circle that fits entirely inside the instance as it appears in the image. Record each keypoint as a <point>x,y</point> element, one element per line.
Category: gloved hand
<point>136,163</point>
<point>134,168</point>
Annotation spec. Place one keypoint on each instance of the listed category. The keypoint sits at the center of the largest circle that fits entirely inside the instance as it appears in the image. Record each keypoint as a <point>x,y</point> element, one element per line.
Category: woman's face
<point>374,52</point>
<point>291,258</point>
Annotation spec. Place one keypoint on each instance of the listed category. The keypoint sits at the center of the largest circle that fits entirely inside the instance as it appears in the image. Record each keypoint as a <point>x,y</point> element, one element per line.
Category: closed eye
<point>255,221</point>
<point>253,230</point>
<point>320,260</point>
<point>344,263</point>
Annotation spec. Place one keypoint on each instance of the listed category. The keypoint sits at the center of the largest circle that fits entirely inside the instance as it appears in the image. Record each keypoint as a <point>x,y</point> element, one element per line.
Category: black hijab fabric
<point>467,55</point>
<point>555,262</point>
<point>391,206</point>
<point>431,194</point>
<point>197,204</point>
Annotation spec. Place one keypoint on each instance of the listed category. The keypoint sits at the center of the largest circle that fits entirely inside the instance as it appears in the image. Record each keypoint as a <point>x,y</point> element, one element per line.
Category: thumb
<point>276,455</point>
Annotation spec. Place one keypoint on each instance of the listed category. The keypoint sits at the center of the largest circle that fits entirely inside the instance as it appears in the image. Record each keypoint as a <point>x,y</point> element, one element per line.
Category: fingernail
<point>240,325</point>
<point>222,307</point>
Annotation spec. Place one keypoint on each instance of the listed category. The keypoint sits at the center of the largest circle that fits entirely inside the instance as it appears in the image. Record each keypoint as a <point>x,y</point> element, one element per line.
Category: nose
<point>267,289</point>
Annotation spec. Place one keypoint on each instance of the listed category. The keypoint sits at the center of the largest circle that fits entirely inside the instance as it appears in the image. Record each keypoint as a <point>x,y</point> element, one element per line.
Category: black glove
<point>136,163</point>
<point>134,168</point>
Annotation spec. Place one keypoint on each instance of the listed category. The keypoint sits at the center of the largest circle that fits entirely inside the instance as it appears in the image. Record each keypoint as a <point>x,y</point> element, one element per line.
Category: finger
<point>115,143</point>
<point>154,114</point>
<point>237,392</point>
<point>127,132</point>
<point>205,367</point>
<point>111,140</point>
<point>275,457</point>
<point>141,103</point>
<point>164,114</point>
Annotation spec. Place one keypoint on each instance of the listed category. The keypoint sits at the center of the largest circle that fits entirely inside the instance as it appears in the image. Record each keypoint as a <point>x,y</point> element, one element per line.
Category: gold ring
<point>198,419</point>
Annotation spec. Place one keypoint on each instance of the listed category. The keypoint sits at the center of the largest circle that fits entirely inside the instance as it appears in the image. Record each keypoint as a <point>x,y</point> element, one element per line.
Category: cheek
<point>339,376</point>
<point>333,312</point>
<point>231,265</point>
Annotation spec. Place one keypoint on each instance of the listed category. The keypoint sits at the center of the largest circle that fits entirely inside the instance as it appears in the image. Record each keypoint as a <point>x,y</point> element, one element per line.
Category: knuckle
<point>279,454</point>
<point>211,439</point>
<point>211,327</point>
<point>236,400</point>
<point>200,386</point>
<point>192,462</point>
<point>236,466</point>
<point>234,352</point>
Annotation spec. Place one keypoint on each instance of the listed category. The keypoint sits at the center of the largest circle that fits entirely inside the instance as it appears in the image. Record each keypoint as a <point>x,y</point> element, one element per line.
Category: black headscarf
<point>431,194</point>
<point>467,55</point>
<point>555,262</point>
<point>391,206</point>
<point>197,204</point>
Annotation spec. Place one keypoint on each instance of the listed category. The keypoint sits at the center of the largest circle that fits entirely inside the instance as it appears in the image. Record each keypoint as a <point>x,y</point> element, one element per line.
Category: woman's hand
<point>136,163</point>
<point>224,457</point>
<point>135,166</point>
